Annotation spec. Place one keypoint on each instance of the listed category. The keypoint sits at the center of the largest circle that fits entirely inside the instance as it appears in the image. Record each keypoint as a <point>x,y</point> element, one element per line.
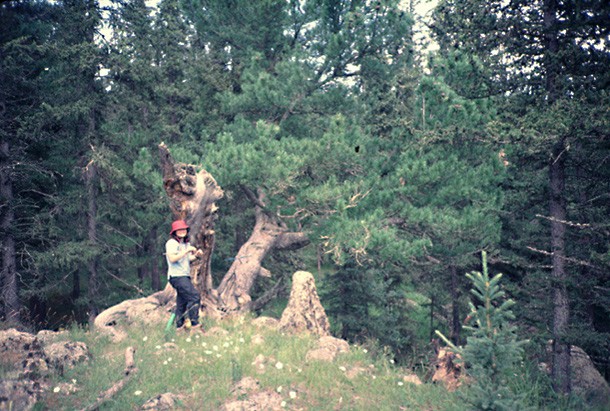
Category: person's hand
<point>198,253</point>
<point>191,249</point>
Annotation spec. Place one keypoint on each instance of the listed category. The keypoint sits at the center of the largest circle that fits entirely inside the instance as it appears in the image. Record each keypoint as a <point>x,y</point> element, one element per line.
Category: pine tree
<point>24,59</point>
<point>548,78</point>
<point>493,349</point>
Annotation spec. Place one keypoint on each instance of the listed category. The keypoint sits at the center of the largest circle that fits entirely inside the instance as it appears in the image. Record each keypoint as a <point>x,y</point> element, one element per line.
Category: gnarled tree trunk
<point>268,234</point>
<point>192,198</point>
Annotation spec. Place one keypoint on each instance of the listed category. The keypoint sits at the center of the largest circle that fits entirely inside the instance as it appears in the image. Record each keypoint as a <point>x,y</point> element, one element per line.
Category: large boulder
<point>587,382</point>
<point>67,354</point>
<point>247,395</point>
<point>154,309</point>
<point>448,370</point>
<point>28,362</point>
<point>327,349</point>
<point>23,354</point>
<point>304,312</point>
<point>163,402</point>
<point>20,394</point>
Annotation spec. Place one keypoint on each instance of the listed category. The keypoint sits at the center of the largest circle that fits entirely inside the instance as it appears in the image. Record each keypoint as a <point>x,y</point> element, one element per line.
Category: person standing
<point>179,253</point>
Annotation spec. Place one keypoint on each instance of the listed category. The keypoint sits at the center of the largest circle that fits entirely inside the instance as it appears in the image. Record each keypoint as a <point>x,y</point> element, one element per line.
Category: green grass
<point>205,369</point>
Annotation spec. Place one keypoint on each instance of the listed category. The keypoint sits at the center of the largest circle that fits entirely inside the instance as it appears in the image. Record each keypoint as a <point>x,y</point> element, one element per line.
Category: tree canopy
<point>389,167</point>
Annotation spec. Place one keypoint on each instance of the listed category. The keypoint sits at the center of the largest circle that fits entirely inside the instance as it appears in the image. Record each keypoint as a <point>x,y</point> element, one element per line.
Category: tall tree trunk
<point>92,264</point>
<point>456,325</point>
<point>75,286</point>
<point>557,208</point>
<point>11,305</point>
<point>561,308</point>
<point>155,274</point>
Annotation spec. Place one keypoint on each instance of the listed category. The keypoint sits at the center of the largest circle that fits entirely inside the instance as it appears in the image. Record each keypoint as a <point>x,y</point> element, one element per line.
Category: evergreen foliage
<point>493,350</point>
<point>399,173</point>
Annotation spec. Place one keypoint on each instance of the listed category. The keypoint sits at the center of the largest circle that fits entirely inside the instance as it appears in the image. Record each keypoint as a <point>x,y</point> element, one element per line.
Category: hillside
<point>237,364</point>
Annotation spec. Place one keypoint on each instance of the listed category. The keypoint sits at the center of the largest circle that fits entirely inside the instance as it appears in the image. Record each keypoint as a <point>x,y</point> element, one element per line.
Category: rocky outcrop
<point>163,402</point>
<point>154,309</point>
<point>304,312</point>
<point>448,370</point>
<point>327,349</point>
<point>587,382</point>
<point>20,394</point>
<point>265,322</point>
<point>63,355</point>
<point>29,361</point>
<point>254,398</point>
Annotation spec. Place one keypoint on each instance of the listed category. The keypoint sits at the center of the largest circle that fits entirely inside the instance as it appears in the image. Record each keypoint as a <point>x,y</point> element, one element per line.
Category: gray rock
<point>304,312</point>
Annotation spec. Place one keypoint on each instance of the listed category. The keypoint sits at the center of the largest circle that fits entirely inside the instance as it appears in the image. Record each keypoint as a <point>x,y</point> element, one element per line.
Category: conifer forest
<point>399,146</point>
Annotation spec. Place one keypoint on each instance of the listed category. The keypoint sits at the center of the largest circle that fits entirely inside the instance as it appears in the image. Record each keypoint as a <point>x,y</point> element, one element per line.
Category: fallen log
<point>130,370</point>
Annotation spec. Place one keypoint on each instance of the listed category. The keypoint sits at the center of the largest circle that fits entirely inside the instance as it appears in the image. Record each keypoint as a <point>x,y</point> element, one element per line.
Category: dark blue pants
<point>187,300</point>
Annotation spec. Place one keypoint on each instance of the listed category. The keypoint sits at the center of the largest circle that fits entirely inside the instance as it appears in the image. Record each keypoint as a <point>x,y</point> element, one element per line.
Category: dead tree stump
<point>193,197</point>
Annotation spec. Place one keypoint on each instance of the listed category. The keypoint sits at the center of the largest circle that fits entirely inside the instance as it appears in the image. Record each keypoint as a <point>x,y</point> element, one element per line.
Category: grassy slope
<point>205,368</point>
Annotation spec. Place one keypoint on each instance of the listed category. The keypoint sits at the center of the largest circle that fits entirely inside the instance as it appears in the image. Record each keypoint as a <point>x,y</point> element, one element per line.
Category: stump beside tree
<point>193,195</point>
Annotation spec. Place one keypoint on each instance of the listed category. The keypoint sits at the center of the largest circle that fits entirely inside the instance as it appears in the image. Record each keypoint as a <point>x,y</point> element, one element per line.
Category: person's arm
<point>196,254</point>
<point>179,255</point>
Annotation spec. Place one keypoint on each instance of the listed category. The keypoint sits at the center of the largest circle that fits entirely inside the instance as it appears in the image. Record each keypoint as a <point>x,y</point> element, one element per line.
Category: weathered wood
<point>192,198</point>
<point>130,370</point>
<point>268,234</point>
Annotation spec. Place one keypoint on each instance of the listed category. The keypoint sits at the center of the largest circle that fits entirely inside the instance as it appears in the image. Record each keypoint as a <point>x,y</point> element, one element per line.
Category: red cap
<point>179,225</point>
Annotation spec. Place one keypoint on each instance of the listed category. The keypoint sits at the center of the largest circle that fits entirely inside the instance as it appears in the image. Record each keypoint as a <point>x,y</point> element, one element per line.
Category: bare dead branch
<point>130,370</point>
<point>571,260</point>
<point>568,223</point>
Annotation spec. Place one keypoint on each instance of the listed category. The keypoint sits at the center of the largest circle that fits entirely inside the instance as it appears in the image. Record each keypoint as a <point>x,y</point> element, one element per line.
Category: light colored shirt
<point>180,268</point>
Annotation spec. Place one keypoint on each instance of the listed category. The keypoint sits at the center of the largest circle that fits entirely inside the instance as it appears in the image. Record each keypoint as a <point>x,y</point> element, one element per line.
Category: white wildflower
<point>137,393</point>
<point>400,383</point>
<point>188,339</point>
<point>56,389</point>
<point>364,350</point>
<point>73,381</point>
<point>145,339</point>
<point>342,368</point>
<point>241,340</point>
<point>293,394</point>
<point>164,362</point>
<point>279,365</point>
<point>391,361</point>
<point>279,389</point>
<point>215,348</point>
<point>283,404</point>
<point>225,345</point>
<point>157,347</point>
<point>204,344</point>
